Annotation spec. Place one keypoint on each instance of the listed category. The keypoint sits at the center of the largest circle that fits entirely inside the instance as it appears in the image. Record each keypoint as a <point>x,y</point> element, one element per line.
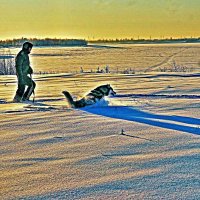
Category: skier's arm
<point>30,71</point>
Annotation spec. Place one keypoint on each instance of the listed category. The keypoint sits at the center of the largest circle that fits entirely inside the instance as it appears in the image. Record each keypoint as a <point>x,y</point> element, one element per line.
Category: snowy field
<point>119,57</point>
<point>144,143</point>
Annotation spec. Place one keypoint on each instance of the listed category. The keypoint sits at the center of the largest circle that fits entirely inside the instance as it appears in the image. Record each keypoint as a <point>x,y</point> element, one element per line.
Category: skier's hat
<point>27,45</point>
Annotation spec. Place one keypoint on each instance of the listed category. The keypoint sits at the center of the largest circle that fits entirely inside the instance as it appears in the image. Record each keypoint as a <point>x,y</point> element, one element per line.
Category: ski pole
<point>33,90</point>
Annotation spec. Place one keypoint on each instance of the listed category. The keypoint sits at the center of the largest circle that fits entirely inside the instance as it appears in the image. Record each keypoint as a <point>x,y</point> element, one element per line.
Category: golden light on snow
<point>47,149</point>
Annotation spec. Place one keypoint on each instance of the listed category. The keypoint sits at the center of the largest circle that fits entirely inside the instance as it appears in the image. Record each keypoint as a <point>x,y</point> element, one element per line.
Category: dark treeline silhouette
<point>82,42</point>
<point>43,42</point>
<point>148,41</point>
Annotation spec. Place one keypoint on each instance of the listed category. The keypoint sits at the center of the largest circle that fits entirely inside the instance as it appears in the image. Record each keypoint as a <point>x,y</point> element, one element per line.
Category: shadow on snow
<point>188,124</point>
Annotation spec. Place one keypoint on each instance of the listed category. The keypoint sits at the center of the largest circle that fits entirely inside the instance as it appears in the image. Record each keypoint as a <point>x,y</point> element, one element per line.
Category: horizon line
<point>102,39</point>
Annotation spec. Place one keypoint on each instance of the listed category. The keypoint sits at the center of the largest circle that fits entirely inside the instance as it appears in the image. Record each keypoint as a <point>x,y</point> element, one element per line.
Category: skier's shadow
<point>179,123</point>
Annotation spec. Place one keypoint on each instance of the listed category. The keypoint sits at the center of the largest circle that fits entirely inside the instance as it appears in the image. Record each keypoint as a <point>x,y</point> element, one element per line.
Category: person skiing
<point>24,72</point>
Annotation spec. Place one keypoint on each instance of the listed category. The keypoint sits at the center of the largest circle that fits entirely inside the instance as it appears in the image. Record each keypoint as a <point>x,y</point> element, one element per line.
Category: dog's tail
<point>69,99</point>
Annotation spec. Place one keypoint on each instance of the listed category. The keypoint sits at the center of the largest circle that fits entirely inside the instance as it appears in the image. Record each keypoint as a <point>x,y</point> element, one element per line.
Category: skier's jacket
<point>22,64</point>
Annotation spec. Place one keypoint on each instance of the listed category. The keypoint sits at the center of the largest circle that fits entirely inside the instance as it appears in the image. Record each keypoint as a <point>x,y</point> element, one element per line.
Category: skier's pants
<point>21,88</point>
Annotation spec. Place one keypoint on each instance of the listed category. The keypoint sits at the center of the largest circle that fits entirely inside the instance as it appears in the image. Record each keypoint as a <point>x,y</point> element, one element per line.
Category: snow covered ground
<point>144,143</point>
<point>119,57</point>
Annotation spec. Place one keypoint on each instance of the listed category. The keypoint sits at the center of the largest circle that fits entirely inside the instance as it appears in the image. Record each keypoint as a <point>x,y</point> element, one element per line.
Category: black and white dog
<point>94,96</point>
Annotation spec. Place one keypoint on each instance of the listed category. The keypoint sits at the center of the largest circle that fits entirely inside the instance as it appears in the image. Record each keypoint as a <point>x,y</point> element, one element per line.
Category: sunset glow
<point>95,19</point>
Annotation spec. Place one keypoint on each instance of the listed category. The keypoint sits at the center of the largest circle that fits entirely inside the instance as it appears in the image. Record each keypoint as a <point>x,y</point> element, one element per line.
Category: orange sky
<point>94,19</point>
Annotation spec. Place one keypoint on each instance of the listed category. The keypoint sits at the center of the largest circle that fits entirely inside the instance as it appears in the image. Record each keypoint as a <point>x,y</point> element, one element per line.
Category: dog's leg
<point>69,99</point>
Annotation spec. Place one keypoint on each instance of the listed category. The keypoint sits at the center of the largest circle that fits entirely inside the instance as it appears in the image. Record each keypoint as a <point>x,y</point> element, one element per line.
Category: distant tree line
<point>43,42</point>
<point>148,41</point>
<point>82,42</point>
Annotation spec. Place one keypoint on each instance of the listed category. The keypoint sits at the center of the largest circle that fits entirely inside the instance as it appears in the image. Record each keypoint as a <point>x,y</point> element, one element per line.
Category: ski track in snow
<point>166,60</point>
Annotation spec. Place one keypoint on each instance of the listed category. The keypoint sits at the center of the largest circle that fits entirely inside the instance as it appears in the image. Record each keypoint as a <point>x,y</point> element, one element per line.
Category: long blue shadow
<point>131,114</point>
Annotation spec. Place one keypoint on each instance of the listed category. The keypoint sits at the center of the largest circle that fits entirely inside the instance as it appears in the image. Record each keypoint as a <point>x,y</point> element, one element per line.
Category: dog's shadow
<point>178,123</point>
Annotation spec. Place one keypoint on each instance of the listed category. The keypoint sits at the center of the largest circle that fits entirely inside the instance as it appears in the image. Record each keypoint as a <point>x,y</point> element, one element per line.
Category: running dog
<point>94,96</point>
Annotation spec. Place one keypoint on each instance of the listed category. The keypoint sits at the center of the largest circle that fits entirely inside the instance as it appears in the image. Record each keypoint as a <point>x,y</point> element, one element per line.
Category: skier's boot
<point>17,99</point>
